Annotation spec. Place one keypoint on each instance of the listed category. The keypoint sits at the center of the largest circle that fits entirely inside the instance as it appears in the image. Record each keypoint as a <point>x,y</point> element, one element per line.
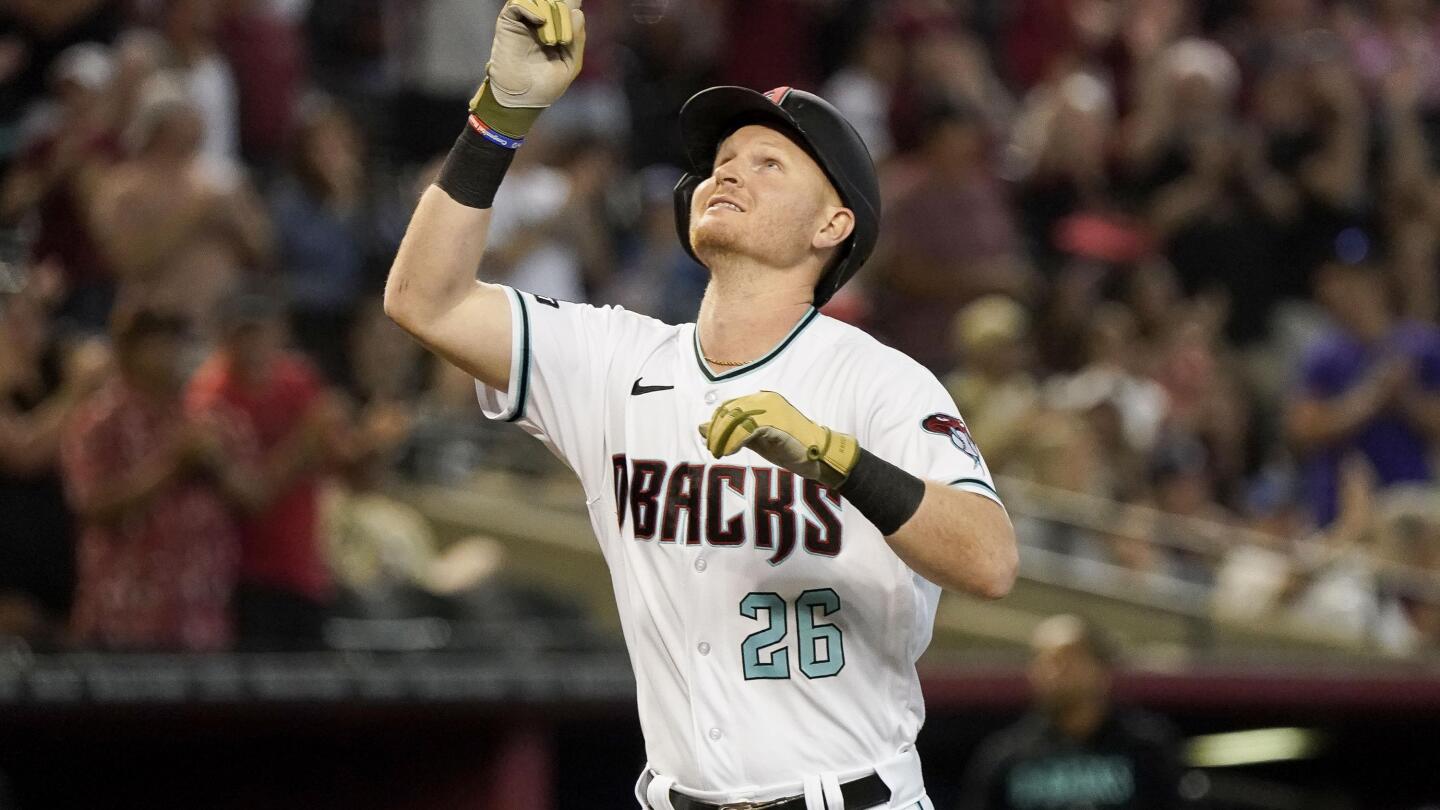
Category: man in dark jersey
<point>1076,750</point>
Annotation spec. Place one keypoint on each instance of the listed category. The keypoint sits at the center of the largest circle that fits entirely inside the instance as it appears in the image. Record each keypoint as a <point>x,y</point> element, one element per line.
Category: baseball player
<point>779,497</point>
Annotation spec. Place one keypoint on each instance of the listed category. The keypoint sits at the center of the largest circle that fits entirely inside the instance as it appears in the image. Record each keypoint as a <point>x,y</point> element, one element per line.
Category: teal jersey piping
<point>977,482</point>
<point>749,367</point>
<point>524,387</point>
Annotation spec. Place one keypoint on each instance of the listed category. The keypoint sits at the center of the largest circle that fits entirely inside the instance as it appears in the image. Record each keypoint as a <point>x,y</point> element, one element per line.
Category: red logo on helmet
<point>777,95</point>
<point>943,424</point>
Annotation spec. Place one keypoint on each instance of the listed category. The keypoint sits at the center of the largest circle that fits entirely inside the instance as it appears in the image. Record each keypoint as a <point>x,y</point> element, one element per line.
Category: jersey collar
<point>754,364</point>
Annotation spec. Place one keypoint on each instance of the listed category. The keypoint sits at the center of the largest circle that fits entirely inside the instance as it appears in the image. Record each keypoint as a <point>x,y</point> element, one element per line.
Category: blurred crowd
<point>1182,257</point>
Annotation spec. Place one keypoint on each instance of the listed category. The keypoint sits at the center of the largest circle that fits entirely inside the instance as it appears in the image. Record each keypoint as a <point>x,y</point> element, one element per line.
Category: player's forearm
<point>437,261</point>
<point>956,539</point>
<point>960,541</point>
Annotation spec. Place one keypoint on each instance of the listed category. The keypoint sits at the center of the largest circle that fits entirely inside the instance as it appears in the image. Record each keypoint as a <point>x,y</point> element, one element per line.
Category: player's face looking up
<point>767,202</point>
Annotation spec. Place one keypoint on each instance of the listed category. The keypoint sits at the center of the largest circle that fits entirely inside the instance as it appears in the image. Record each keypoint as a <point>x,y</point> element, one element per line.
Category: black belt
<point>867,791</point>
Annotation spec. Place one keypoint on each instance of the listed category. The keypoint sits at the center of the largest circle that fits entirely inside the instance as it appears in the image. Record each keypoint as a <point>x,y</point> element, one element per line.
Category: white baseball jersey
<point>772,630</point>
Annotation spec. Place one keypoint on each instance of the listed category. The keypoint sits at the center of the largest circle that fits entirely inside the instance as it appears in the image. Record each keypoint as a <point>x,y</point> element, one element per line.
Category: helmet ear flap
<point>684,192</point>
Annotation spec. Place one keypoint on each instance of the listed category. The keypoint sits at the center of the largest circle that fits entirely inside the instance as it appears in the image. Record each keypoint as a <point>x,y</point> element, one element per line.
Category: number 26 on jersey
<point>821,646</point>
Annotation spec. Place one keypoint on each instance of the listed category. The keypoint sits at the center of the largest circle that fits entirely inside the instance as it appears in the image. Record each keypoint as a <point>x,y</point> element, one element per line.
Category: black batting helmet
<point>711,115</point>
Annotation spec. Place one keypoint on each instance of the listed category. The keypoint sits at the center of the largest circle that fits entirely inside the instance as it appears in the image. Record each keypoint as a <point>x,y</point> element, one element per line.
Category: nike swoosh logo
<point>637,389</point>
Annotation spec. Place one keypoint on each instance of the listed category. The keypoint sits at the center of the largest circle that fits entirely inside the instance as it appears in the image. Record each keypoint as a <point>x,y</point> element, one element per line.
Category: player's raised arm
<point>432,291</point>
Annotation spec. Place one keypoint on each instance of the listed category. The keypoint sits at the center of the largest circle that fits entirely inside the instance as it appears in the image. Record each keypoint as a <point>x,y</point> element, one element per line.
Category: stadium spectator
<point>863,88</point>
<point>1206,396</point>
<point>1314,129</point>
<point>592,167</point>
<point>329,243</point>
<point>1046,38</point>
<point>263,43</point>
<point>1115,387</point>
<point>1408,205</point>
<point>385,365</point>
<point>177,231</point>
<point>1370,384</point>
<point>42,382</point>
<point>1192,530</point>
<point>771,44</point>
<point>284,581</point>
<point>1191,87</point>
<point>158,494</point>
<point>140,55</point>
<point>33,33</point>
<point>548,233</point>
<point>1370,576</point>
<point>1076,749</point>
<point>668,58</point>
<point>1388,36</point>
<point>1061,155</point>
<point>191,28</point>
<point>1050,38</point>
<point>948,237</point>
<point>434,60</point>
<point>1260,576</point>
<point>1150,287</point>
<point>348,44</point>
<point>654,274</point>
<point>1259,31</point>
<point>599,106</point>
<point>384,552</point>
<point>1409,548</point>
<point>1215,205</point>
<point>75,140</point>
<point>1063,313</point>
<point>995,390</point>
<point>949,63</point>
<point>1339,593</point>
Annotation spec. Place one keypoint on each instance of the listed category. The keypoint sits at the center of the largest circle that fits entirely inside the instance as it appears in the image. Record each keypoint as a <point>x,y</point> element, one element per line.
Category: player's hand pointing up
<point>768,424</point>
<point>538,49</point>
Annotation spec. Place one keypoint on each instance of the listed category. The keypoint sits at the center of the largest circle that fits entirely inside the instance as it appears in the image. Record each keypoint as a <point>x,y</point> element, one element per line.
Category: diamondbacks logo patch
<point>943,424</point>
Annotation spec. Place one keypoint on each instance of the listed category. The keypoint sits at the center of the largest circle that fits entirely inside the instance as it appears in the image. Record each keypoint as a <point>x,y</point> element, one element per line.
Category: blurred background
<point>1177,262</point>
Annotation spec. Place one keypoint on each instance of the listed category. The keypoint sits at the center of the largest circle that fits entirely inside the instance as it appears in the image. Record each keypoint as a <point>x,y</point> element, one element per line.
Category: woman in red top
<point>285,581</point>
<point>158,495</point>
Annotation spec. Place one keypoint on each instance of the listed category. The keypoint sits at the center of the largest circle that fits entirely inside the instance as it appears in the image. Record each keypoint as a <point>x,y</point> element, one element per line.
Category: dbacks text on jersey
<point>685,503</point>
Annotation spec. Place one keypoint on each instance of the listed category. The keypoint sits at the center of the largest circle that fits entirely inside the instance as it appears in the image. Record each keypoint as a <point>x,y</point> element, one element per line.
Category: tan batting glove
<point>538,49</point>
<point>768,424</point>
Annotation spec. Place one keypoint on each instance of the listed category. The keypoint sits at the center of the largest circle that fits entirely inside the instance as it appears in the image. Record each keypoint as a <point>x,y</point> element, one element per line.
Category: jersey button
<point>714,734</point>
<point>710,397</point>
<point>703,647</point>
<point>701,565</point>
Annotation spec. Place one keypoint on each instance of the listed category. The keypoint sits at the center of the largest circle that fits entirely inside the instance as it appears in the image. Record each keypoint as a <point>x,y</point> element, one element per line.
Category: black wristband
<point>885,494</point>
<point>473,169</point>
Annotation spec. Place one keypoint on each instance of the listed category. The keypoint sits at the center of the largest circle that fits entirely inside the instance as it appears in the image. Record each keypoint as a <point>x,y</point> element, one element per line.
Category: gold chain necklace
<point>710,359</point>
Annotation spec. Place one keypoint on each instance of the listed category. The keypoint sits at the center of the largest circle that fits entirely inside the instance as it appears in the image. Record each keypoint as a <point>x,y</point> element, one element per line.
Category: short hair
<point>1098,642</point>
